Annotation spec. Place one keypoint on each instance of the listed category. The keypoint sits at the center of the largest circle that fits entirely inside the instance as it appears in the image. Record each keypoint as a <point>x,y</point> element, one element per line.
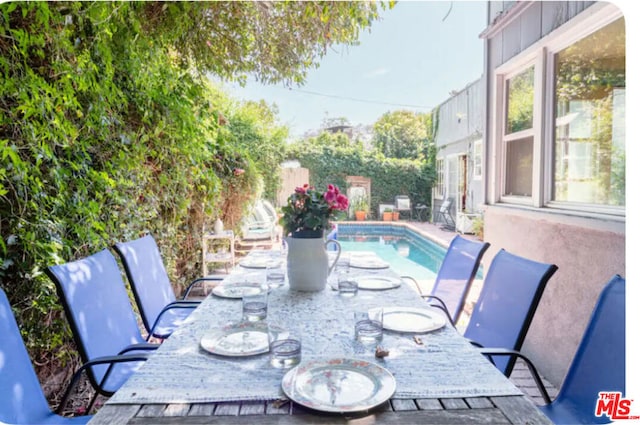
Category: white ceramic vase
<point>218,227</point>
<point>308,263</point>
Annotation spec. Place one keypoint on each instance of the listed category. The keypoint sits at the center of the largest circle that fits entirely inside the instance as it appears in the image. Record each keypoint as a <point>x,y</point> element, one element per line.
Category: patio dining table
<point>439,377</point>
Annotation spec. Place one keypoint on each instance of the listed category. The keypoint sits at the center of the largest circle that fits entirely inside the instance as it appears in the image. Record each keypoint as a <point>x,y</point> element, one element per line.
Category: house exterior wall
<point>588,248</point>
<point>460,124</point>
<point>587,252</point>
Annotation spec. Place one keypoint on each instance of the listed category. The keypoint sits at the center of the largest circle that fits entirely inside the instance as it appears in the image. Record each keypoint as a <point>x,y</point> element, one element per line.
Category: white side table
<point>220,251</point>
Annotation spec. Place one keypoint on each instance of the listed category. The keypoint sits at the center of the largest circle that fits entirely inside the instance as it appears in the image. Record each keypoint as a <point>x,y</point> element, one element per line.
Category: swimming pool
<point>407,252</point>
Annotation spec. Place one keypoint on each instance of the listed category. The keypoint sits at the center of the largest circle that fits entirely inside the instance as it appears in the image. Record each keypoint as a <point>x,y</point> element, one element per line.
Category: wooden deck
<point>475,410</point>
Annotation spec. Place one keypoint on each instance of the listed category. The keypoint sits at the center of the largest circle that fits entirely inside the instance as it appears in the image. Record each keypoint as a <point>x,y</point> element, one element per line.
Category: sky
<point>412,58</point>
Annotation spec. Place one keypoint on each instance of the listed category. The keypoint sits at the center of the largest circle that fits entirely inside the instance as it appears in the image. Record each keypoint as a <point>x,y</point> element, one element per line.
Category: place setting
<point>343,384</point>
<point>333,384</point>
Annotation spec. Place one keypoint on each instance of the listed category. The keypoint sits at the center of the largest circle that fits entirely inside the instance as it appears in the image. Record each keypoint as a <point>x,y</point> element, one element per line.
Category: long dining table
<point>439,376</point>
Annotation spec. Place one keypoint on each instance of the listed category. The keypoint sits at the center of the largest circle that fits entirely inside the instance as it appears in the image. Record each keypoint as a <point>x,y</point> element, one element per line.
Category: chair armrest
<point>145,346</point>
<point>177,304</point>
<point>532,369</point>
<point>441,306</point>
<point>415,282</point>
<point>197,281</point>
<point>111,360</point>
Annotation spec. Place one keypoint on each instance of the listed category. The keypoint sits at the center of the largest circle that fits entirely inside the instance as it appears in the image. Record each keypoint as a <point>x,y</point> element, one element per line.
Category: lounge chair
<point>161,312</point>
<point>261,224</point>
<point>22,401</point>
<point>403,205</point>
<point>104,325</point>
<point>458,269</point>
<point>597,367</point>
<point>444,213</point>
<point>508,300</point>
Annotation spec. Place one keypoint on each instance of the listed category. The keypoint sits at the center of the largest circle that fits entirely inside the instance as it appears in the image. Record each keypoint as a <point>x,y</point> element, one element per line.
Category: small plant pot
<point>387,216</point>
<point>360,215</point>
<point>396,216</point>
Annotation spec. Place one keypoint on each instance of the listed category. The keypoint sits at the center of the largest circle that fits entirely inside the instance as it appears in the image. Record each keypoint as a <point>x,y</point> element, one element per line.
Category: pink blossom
<point>330,196</point>
<point>302,190</point>
<point>343,202</point>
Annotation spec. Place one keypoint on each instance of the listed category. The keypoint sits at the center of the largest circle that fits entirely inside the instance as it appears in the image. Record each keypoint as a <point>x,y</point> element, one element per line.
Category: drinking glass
<point>285,347</point>
<point>275,277</point>
<point>254,305</point>
<point>347,286</point>
<point>368,325</point>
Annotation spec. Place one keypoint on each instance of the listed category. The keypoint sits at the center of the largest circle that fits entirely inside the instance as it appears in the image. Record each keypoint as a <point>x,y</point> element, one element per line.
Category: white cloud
<point>376,73</point>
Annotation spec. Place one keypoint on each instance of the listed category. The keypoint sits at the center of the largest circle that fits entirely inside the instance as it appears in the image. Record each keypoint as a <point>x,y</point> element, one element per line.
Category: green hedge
<point>389,176</point>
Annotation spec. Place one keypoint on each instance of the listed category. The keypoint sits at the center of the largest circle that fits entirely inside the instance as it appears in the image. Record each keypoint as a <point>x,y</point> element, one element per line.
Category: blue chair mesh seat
<point>455,276</point>
<point>509,297</point>
<point>21,398</point>
<point>599,363</point>
<point>161,312</point>
<point>101,317</point>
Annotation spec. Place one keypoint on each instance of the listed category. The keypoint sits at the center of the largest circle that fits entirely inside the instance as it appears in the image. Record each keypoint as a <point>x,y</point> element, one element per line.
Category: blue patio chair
<point>598,365</point>
<point>456,273</point>
<point>22,400</point>
<point>161,312</point>
<point>508,300</point>
<point>104,325</point>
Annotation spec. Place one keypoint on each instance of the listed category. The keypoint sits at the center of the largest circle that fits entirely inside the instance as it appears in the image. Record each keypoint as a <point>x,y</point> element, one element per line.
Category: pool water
<point>408,253</point>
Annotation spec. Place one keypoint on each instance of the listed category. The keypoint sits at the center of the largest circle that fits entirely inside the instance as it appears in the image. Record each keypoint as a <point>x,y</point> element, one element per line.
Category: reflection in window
<point>520,102</point>
<point>590,119</point>
<point>519,167</point>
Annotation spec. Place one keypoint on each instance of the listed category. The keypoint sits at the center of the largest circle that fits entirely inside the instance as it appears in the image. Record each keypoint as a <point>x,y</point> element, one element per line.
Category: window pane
<point>590,119</point>
<point>520,102</point>
<point>439,178</point>
<point>519,167</point>
<point>477,159</point>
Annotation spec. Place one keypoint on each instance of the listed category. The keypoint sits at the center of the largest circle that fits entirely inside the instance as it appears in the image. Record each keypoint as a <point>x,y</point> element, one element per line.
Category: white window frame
<point>440,178</point>
<point>502,75</point>
<point>541,55</point>
<point>478,156</point>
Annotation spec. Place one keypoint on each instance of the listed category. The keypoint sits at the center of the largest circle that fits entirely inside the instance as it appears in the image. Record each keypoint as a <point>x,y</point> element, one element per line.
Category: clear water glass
<point>347,286</point>
<point>368,325</point>
<point>254,305</point>
<point>285,347</point>
<point>275,277</point>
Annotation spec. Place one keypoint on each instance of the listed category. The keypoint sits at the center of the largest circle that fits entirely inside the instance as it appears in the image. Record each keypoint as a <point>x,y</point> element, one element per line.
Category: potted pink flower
<point>308,211</point>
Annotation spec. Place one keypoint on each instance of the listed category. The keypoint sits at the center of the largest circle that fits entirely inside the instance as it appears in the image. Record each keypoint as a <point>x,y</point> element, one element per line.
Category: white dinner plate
<point>261,262</point>
<point>368,263</point>
<point>237,289</point>
<point>339,385</point>
<point>237,340</point>
<point>375,282</point>
<point>407,319</point>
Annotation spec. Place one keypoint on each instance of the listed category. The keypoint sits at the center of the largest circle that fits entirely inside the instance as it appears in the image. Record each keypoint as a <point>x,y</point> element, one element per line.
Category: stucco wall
<point>588,253</point>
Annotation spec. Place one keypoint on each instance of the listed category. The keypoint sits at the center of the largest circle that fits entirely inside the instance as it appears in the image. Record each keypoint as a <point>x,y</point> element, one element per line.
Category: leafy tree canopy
<point>402,134</point>
<point>272,41</point>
